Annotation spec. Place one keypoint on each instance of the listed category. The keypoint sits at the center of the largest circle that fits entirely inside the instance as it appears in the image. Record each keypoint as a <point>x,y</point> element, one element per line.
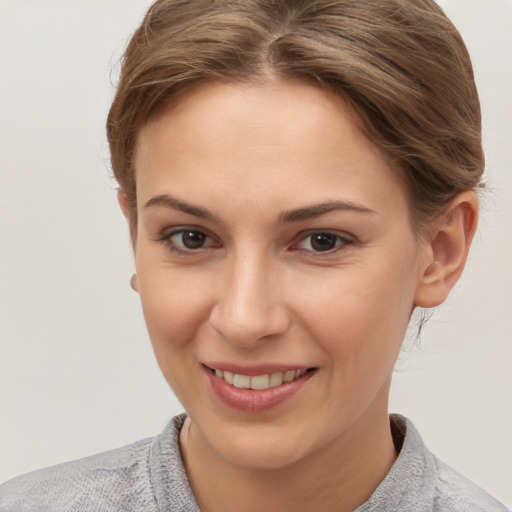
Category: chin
<point>262,447</point>
<point>260,456</point>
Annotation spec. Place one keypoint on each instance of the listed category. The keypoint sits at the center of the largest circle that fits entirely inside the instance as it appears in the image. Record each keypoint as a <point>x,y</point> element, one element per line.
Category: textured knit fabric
<point>149,476</point>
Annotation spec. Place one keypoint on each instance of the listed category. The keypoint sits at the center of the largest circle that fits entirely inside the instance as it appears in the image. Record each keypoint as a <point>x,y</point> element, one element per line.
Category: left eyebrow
<point>316,210</point>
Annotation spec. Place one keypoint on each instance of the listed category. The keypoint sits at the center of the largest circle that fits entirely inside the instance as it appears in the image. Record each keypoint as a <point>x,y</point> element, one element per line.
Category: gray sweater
<point>148,476</point>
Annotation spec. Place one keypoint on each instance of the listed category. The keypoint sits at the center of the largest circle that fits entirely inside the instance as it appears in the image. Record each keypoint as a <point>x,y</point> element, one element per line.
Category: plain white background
<point>77,374</point>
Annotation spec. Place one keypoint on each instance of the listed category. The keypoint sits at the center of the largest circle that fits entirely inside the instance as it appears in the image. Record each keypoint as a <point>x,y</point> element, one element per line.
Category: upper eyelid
<point>342,234</point>
<point>164,235</point>
<point>350,241</point>
<point>170,231</point>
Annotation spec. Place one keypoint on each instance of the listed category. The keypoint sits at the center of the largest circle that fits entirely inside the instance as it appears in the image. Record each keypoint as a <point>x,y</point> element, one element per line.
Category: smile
<point>259,382</point>
<point>258,388</point>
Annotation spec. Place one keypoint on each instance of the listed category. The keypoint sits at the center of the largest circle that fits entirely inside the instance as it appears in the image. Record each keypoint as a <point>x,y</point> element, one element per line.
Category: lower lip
<point>252,400</point>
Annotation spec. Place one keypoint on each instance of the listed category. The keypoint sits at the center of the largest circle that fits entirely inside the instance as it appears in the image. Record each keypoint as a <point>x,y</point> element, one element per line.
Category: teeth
<point>276,379</point>
<point>289,376</point>
<point>241,381</point>
<point>259,382</point>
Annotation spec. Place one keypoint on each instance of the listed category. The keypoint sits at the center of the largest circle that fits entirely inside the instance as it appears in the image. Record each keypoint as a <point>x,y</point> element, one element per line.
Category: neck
<point>341,476</point>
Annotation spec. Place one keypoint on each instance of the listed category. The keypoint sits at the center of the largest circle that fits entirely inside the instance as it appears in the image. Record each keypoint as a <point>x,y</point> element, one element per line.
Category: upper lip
<point>253,370</point>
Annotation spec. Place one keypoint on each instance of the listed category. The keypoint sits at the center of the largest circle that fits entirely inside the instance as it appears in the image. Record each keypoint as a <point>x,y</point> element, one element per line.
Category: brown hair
<point>401,64</point>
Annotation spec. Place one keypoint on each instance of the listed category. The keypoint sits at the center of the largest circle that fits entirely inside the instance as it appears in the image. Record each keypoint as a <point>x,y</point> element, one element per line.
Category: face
<point>274,251</point>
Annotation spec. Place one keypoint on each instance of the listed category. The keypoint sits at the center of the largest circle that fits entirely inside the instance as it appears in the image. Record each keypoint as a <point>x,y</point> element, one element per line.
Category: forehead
<point>279,141</point>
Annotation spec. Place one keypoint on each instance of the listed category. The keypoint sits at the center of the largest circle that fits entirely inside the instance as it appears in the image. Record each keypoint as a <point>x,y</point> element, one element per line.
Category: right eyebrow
<point>177,204</point>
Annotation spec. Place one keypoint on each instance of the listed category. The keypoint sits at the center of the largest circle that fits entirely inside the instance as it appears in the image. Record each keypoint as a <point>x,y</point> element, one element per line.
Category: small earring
<point>133,283</point>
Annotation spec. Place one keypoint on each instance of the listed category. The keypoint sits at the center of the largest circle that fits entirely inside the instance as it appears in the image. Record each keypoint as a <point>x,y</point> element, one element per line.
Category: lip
<point>251,400</point>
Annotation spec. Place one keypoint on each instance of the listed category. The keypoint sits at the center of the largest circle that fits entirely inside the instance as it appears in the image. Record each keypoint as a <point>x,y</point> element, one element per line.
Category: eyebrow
<point>296,215</point>
<point>317,210</point>
<point>177,204</point>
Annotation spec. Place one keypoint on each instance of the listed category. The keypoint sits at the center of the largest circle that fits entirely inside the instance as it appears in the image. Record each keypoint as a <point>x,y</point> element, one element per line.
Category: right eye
<point>188,240</point>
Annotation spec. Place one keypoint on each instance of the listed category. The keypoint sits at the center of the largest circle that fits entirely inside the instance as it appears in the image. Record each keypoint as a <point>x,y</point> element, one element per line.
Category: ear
<point>127,212</point>
<point>123,203</point>
<point>447,249</point>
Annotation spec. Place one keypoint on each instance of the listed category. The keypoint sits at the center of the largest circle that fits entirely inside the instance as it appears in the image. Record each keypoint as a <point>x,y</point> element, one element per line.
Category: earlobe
<point>448,250</point>
<point>134,283</point>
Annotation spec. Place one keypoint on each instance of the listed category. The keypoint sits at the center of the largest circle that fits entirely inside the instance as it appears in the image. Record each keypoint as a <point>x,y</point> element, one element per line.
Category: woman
<point>297,177</point>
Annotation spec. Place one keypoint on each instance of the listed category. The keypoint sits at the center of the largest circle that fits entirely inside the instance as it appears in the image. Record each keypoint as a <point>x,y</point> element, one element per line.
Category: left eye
<point>323,241</point>
<point>190,240</point>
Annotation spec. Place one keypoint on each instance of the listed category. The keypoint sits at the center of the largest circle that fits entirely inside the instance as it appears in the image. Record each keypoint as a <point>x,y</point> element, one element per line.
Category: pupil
<point>323,241</point>
<point>193,239</point>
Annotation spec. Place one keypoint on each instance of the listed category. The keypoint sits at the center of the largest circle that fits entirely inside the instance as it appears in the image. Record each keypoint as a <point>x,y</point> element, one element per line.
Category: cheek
<point>175,309</point>
<point>361,316</point>
<point>358,321</point>
<point>171,311</point>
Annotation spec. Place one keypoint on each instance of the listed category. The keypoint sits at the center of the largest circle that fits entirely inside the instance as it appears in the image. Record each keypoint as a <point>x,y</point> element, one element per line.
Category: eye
<point>323,241</point>
<point>188,240</point>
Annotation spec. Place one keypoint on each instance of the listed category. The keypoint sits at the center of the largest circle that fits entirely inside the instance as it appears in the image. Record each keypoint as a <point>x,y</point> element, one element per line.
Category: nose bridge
<point>250,304</point>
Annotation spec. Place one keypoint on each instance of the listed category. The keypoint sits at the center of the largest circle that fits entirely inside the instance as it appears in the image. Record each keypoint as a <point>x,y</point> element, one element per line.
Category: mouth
<point>260,382</point>
<point>256,389</point>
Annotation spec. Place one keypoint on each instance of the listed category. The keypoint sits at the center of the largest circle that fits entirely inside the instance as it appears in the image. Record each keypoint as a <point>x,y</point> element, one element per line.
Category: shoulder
<point>419,481</point>
<point>456,493</point>
<point>438,486</point>
<point>113,480</point>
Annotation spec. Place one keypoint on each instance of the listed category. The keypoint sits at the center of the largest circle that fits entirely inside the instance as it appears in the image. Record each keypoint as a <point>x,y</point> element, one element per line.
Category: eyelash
<point>342,241</point>
<point>167,240</point>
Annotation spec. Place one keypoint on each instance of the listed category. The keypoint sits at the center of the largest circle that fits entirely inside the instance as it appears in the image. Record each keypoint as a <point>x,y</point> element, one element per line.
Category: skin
<point>258,292</point>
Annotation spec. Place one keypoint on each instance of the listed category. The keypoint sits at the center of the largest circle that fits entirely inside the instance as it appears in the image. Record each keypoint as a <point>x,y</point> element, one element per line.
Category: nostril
<point>244,326</point>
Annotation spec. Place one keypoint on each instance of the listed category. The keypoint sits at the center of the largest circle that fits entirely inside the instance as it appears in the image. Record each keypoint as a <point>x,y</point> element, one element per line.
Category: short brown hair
<point>401,64</point>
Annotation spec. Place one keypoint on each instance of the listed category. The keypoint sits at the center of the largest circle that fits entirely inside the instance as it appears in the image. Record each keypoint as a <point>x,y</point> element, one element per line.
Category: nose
<point>249,306</point>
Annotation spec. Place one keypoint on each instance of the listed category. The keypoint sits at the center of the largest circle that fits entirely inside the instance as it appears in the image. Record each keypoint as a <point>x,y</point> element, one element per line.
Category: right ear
<point>123,203</point>
<point>125,208</point>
